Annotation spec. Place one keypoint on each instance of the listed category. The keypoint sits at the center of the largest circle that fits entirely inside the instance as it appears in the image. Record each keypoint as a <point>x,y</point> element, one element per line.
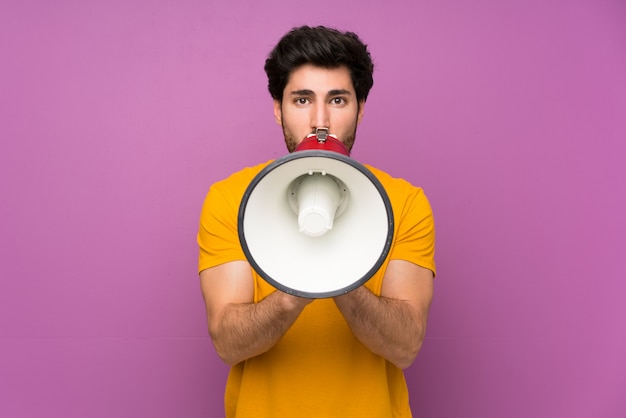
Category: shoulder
<point>409,203</point>
<point>226,194</point>
<point>234,186</point>
<point>396,187</point>
<point>241,178</point>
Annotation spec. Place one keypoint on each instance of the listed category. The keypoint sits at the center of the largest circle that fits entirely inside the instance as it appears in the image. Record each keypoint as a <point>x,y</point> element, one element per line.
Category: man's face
<point>316,97</point>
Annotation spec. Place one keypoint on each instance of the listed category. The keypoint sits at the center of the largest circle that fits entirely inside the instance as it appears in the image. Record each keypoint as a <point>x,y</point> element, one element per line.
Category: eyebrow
<point>302,92</point>
<point>335,92</point>
<point>339,92</point>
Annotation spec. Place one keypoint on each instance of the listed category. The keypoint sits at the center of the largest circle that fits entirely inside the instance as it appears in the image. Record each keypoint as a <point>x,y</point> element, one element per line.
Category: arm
<point>239,328</point>
<point>394,324</point>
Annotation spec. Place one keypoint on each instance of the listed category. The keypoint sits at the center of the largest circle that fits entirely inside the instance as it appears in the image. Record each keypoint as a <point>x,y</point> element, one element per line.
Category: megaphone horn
<point>316,223</point>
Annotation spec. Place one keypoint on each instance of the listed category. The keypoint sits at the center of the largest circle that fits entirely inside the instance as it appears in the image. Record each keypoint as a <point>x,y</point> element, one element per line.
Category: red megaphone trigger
<point>324,142</point>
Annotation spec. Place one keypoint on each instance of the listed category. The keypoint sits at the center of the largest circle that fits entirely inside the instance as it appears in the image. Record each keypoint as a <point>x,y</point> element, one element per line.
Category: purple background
<point>117,116</point>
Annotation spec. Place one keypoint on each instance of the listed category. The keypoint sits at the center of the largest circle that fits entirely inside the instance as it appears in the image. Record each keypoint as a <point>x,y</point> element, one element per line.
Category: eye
<point>301,101</point>
<point>339,101</point>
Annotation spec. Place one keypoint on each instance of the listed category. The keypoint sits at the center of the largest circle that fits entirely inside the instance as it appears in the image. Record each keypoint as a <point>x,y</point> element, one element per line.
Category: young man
<point>336,357</point>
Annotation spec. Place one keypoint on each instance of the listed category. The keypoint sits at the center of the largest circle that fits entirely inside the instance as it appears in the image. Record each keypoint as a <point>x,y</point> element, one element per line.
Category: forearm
<point>245,330</point>
<point>391,328</point>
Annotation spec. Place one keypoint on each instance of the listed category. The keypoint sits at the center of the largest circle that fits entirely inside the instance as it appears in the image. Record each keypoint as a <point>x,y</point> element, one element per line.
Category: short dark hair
<point>323,47</point>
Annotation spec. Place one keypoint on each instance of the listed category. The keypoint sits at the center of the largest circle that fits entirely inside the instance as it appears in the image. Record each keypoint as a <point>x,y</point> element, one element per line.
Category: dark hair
<point>322,47</point>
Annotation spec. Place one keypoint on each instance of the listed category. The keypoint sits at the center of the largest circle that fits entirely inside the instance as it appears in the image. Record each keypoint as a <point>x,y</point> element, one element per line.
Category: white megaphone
<point>316,223</point>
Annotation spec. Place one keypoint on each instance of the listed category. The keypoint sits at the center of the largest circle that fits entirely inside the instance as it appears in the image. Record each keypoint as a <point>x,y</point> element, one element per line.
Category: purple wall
<point>117,116</point>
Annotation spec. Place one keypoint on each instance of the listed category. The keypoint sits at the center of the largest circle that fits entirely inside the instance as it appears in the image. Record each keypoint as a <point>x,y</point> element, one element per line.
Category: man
<point>335,357</point>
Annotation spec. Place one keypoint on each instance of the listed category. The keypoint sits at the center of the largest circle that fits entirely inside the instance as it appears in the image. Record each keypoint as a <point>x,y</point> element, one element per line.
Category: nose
<point>320,117</point>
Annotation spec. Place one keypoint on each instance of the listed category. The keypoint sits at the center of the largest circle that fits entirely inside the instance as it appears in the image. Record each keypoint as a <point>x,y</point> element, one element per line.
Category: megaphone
<point>316,223</point>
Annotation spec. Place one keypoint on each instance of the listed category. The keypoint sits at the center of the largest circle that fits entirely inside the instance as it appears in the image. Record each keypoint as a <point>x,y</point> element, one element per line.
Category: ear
<point>361,111</point>
<point>278,112</point>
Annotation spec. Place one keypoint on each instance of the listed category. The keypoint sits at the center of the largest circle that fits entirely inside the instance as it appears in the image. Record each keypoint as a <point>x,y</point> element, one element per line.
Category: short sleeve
<point>414,228</point>
<point>217,234</point>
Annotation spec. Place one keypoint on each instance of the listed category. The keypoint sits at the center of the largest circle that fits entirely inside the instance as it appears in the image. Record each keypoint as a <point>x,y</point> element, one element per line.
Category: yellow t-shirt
<point>318,368</point>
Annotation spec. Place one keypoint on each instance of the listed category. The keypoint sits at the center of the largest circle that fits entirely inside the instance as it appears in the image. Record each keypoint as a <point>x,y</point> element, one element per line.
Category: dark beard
<point>289,141</point>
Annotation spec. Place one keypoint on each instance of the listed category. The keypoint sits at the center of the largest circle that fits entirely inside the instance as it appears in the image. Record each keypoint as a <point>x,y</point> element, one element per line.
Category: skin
<point>392,325</point>
<point>318,98</point>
